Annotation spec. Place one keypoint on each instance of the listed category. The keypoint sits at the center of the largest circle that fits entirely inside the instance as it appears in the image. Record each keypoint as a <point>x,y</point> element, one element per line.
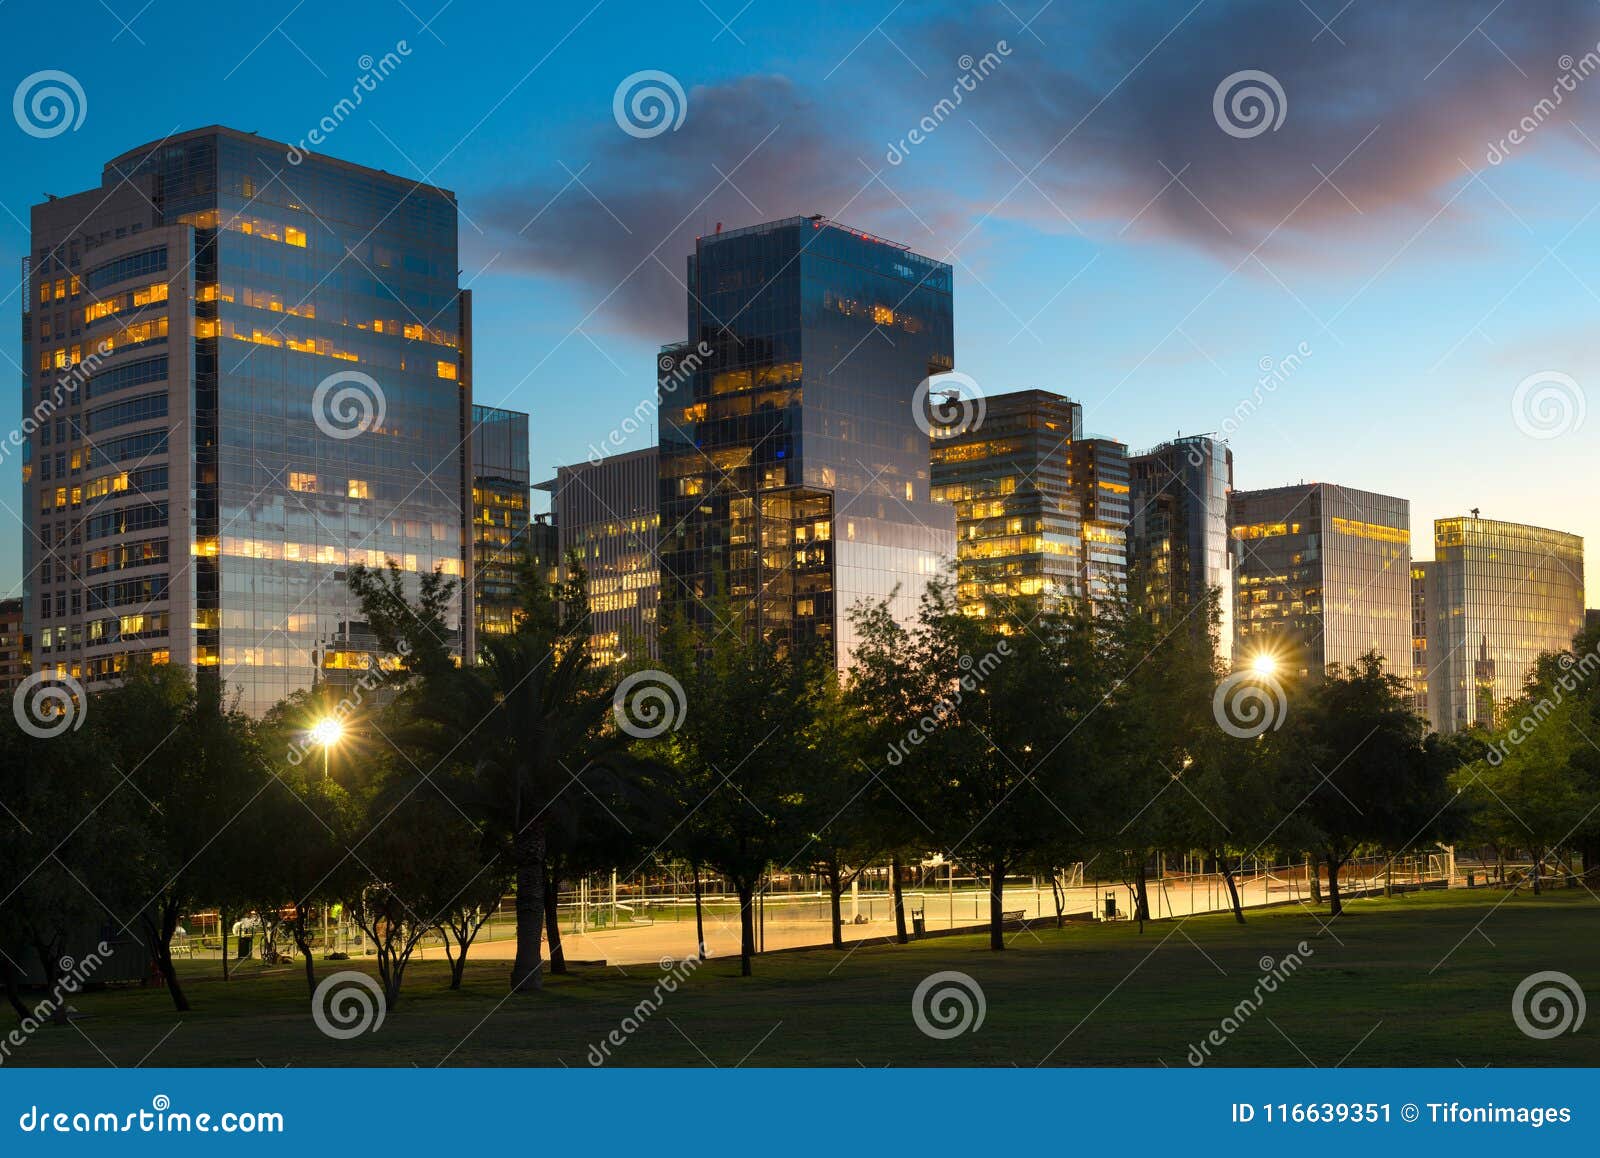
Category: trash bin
<point>1111,906</point>
<point>919,924</point>
<point>1472,880</point>
<point>244,947</point>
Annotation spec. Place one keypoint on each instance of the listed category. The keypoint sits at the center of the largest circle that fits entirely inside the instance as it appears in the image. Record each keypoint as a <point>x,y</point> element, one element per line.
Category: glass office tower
<point>1098,471</point>
<point>1498,595</point>
<point>606,516</point>
<point>500,491</point>
<point>1419,639</point>
<point>1322,575</point>
<point>793,476</point>
<point>1018,518</point>
<point>244,377</point>
<point>1178,533</point>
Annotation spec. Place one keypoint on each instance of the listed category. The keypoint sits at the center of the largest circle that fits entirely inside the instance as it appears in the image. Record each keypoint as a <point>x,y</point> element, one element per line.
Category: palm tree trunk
<point>997,905</point>
<point>699,919</point>
<point>1233,889</point>
<point>835,903</point>
<point>1335,905</point>
<point>552,924</point>
<point>527,970</point>
<point>899,899</point>
<point>747,926</point>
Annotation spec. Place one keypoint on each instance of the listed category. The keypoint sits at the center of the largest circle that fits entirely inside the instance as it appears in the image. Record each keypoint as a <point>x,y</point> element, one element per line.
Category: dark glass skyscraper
<point>1018,518</point>
<point>243,377</point>
<point>1322,575</point>
<point>794,476</point>
<point>1178,533</point>
<point>605,514</point>
<point>1098,470</point>
<point>500,490</point>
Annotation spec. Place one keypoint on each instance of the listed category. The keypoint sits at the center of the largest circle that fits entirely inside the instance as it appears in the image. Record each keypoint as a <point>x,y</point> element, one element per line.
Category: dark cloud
<point>1389,102</point>
<point>622,222</point>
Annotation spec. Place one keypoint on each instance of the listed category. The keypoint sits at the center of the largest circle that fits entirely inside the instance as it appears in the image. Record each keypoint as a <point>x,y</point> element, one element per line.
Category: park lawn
<point>1372,992</point>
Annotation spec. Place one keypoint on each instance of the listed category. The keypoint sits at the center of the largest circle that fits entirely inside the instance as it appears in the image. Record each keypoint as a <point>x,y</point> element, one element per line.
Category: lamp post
<point>326,732</point>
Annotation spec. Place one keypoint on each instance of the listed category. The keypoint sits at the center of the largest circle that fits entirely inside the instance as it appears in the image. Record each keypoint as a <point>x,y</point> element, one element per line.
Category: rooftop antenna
<point>1474,512</point>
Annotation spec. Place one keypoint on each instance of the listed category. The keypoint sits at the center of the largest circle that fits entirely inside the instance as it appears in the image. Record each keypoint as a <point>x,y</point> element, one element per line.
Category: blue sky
<point>1110,239</point>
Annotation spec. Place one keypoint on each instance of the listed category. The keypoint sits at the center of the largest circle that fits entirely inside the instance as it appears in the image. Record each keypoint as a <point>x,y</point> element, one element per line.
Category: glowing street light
<point>1264,665</point>
<point>325,733</point>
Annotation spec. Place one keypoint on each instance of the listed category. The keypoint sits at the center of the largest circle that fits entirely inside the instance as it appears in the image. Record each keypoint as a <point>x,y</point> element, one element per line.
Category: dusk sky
<point>1417,232</point>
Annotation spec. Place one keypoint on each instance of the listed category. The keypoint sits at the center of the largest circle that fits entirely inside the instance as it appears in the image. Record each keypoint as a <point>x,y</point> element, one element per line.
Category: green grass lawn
<point>1086,995</point>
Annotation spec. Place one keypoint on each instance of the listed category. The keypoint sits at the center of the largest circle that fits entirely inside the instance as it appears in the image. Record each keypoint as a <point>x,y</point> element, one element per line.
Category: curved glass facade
<point>793,475</point>
<point>228,285</point>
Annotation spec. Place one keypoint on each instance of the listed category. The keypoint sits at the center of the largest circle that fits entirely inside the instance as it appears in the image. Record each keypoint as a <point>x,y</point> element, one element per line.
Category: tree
<point>738,754</point>
<point>195,762</point>
<point>66,832</point>
<point>1353,766</point>
<point>1529,789</point>
<point>529,720</point>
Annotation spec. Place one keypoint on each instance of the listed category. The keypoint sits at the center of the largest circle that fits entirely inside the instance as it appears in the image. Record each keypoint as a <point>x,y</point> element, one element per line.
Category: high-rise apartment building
<point>794,477</point>
<point>1322,575</point>
<point>500,508</point>
<point>1098,473</point>
<point>1018,518</point>
<point>243,377</point>
<point>1178,533</point>
<point>1419,638</point>
<point>13,647</point>
<point>606,518</point>
<point>1498,595</point>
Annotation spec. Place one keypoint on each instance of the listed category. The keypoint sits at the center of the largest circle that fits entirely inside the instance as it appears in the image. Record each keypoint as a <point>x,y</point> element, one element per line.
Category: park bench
<point>1013,914</point>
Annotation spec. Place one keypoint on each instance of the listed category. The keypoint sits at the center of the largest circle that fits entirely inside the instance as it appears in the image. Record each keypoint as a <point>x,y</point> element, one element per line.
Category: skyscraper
<point>1322,575</point>
<point>606,516</point>
<point>1018,518</point>
<point>1419,638</point>
<point>500,488</point>
<point>1498,594</point>
<point>1178,534</point>
<point>1098,473</point>
<point>794,476</point>
<point>244,377</point>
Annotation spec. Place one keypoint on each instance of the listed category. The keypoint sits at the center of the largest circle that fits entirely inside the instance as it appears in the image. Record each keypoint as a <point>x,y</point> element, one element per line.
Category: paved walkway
<point>801,922</point>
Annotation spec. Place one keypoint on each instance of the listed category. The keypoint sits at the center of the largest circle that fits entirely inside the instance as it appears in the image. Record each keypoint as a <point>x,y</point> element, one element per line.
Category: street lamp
<point>1264,665</point>
<point>326,732</point>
